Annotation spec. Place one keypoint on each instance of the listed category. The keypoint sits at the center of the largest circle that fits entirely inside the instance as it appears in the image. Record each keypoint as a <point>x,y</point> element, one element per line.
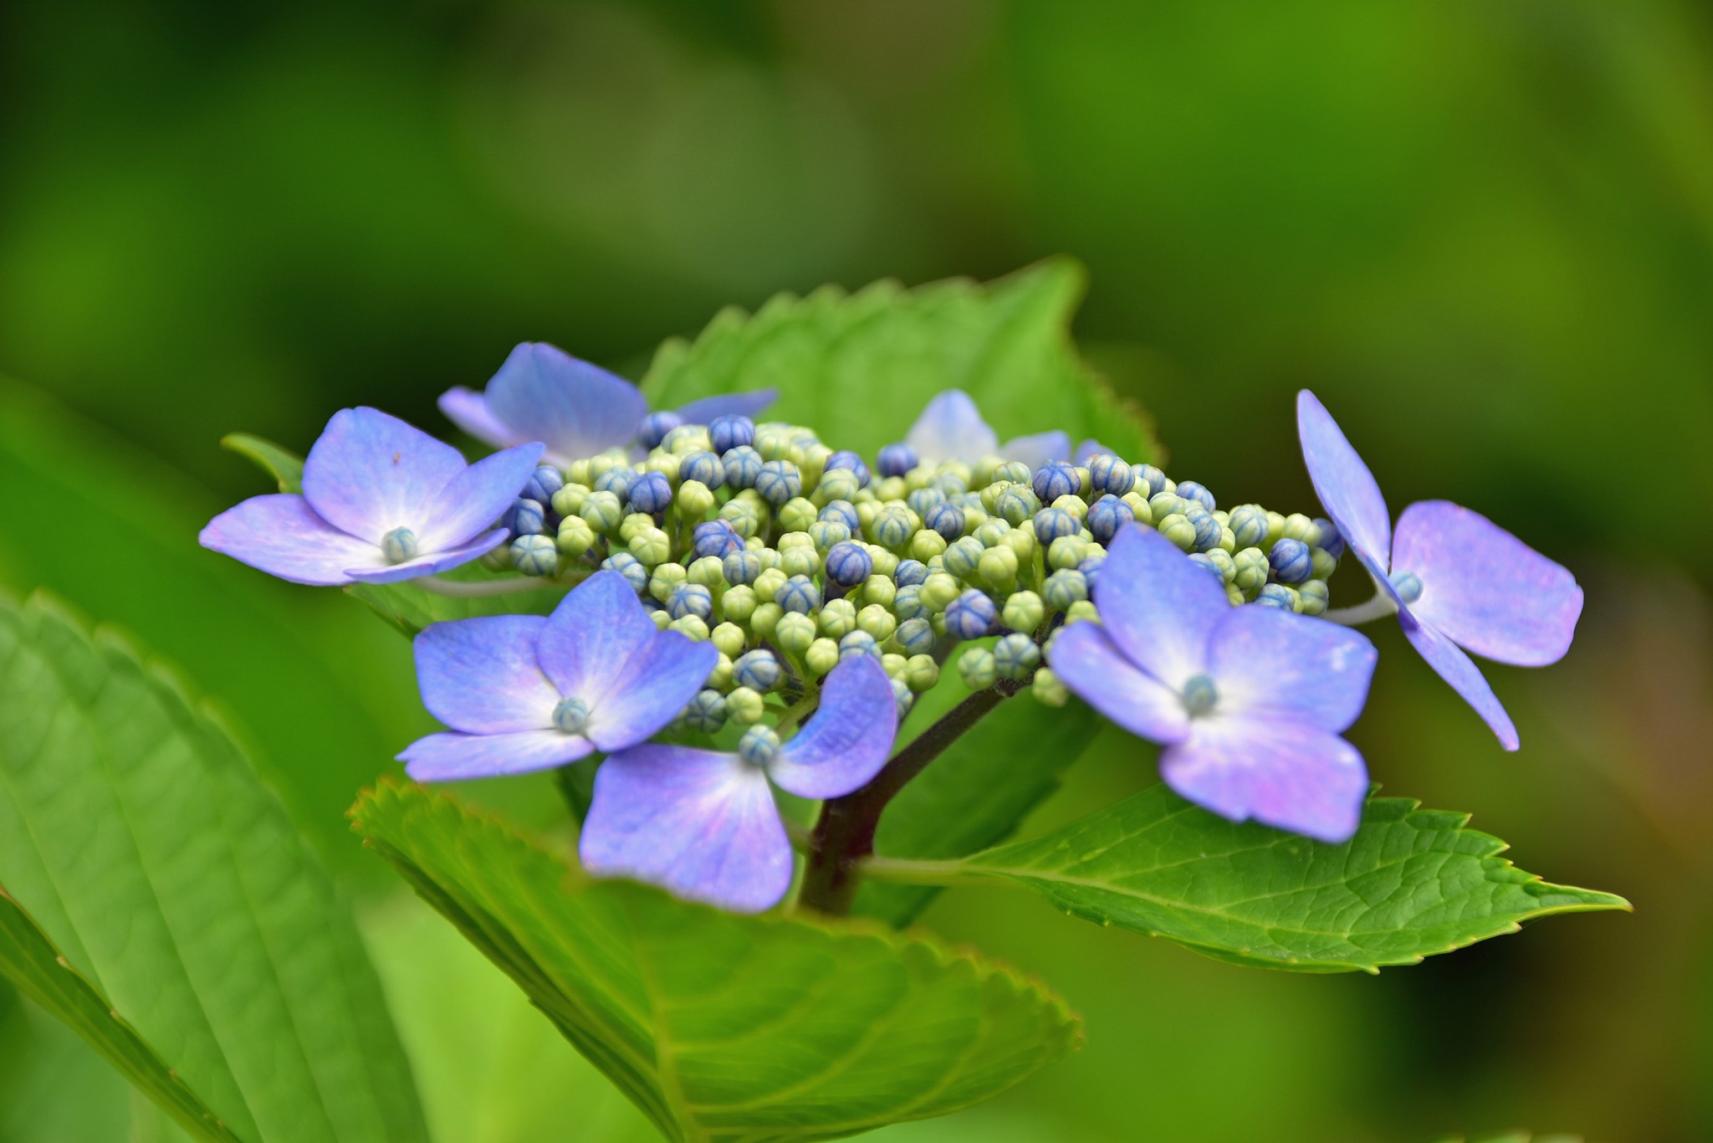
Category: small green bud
<point>691,626</point>
<point>826,533</point>
<point>880,589</point>
<point>821,657</point>
<point>765,618</point>
<point>838,618</point>
<point>1138,505</point>
<point>991,533</point>
<point>893,664</point>
<point>1235,594</point>
<point>535,555</point>
<point>664,463</point>
<point>730,639</point>
<point>1016,504</point>
<point>768,583</point>
<point>745,707</point>
<point>602,512</point>
<point>1022,541</point>
<point>978,669</point>
<point>694,500</point>
<point>570,498</point>
<point>660,617</point>
<point>708,571</point>
<point>1323,563</point>
<point>800,561</point>
<point>921,673</point>
<point>926,544</point>
<point>1178,529</point>
<point>1249,571</point>
<point>877,621</point>
<point>651,547</point>
<point>1164,504</point>
<point>634,525</point>
<point>738,604</point>
<point>1081,611</point>
<point>1085,483</point>
<point>1299,527</point>
<point>575,536</point>
<point>998,567</point>
<point>578,473</point>
<point>721,676</point>
<point>1075,505</point>
<point>498,559</point>
<point>766,557</point>
<point>1016,656</point>
<point>938,591</point>
<point>1023,611</point>
<point>839,484</point>
<point>1314,596</point>
<point>793,631</point>
<point>1046,688</point>
<point>1275,530</point>
<point>663,579</point>
<point>1224,561</point>
<point>797,514</point>
<point>1067,551</point>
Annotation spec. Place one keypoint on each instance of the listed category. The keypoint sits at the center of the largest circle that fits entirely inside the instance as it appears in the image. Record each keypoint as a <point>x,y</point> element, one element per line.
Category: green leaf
<point>284,466</point>
<point>170,879</point>
<point>720,1026</point>
<point>858,367</point>
<point>30,961</point>
<point>410,608</point>
<point>975,794</point>
<point>1410,884</point>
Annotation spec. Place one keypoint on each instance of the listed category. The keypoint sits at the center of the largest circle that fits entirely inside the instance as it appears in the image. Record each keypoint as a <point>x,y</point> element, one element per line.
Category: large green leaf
<point>1410,884</point>
<point>858,367</point>
<point>171,880</point>
<point>720,1026</point>
<point>285,466</point>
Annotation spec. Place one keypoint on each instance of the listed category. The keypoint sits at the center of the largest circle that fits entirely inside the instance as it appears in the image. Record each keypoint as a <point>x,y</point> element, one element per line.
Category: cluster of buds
<point>789,556</point>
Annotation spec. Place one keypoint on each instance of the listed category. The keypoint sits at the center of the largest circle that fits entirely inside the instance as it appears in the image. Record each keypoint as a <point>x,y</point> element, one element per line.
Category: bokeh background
<point>1482,230</point>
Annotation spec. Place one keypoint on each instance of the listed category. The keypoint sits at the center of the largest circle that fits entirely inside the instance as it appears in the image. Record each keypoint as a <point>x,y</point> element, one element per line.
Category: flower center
<point>399,545</point>
<point>1199,695</point>
<point>759,745</point>
<point>571,716</point>
<point>1408,585</point>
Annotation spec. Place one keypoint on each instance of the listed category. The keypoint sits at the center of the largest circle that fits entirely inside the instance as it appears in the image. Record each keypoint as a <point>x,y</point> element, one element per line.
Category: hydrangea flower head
<point>530,692</point>
<point>1459,581</point>
<point>1248,701</point>
<point>382,501</point>
<point>542,393</point>
<point>703,823</point>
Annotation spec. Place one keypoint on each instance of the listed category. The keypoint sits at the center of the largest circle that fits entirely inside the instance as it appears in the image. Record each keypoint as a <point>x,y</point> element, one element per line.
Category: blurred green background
<point>1482,231</point>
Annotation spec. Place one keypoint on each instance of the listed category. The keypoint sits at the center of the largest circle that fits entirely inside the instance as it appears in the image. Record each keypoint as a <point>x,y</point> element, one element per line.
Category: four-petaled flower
<point>951,428</point>
<point>703,823</point>
<point>530,692</point>
<point>1248,701</point>
<point>544,394</point>
<point>1458,580</point>
<point>382,501</point>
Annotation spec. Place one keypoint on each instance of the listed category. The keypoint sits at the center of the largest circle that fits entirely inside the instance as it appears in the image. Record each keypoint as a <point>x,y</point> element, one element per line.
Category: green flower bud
<point>767,557</point>
<point>1164,504</point>
<point>1227,540</point>
<point>1021,541</point>
<point>978,668</point>
<point>1275,530</point>
<point>793,631</point>
<point>691,626</point>
<point>1323,563</point>
<point>570,498</point>
<point>1224,561</point>
<point>664,463</point>
<point>738,604</point>
<point>925,545</point>
<point>1015,657</point>
<point>721,676</point>
<point>1082,611</point>
<point>745,707</point>
<point>998,567</point>
<point>891,488</point>
<point>893,664</point>
<point>1016,504</point>
<point>826,533</point>
<point>961,557</point>
<point>765,619</point>
<point>821,657</point>
<point>709,572</point>
<point>1249,571</point>
<point>867,511</point>
<point>838,618</point>
<point>1023,611</point>
<point>812,461</point>
<point>1075,505</point>
<point>1178,529</point>
<point>1300,527</point>
<point>651,547</point>
<point>498,559</point>
<point>877,621</point>
<point>535,555</point>
<point>578,473</point>
<point>1067,551</point>
<point>768,583</point>
<point>839,484</point>
<point>694,500</point>
<point>921,673</point>
<point>885,562</point>
<point>991,533</point>
<point>1085,484</point>
<point>687,439</point>
<point>661,618</point>
<point>663,579</point>
<point>602,512</point>
<point>800,561</point>
<point>1235,595</point>
<point>795,541</point>
<point>730,639</point>
<point>634,525</point>
<point>879,588</point>
<point>1314,596</point>
<point>938,591</point>
<point>575,536</point>
<point>1046,688</point>
<point>797,514</point>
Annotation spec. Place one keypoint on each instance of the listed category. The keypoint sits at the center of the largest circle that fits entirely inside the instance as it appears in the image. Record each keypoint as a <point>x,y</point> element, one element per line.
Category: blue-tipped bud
<point>690,599</point>
<point>978,668</point>
<point>1196,494</point>
<point>630,567</point>
<point>1108,474</point>
<point>535,555</point>
<point>846,459</point>
<point>915,636</point>
<point>1089,568</point>
<point>902,696</point>
<point>1016,657</point>
<point>704,467</point>
<point>1249,525</point>
<point>742,465</point>
<point>651,493</point>
<point>923,500</point>
<point>858,643</point>
<point>399,545</point>
<point>894,527</point>
<point>571,716</point>
<point>896,460</point>
<point>1327,538</point>
<point>778,481</point>
<point>716,538</point>
<point>1064,588</point>
<point>759,670</point>
<point>963,557</point>
<point>799,594</point>
<point>909,573</point>
<point>907,602</point>
<point>731,431</point>
<point>525,518</point>
<point>971,615</point>
<point>946,519</point>
<point>1277,595</point>
<point>1055,479</point>
<point>1106,516</point>
<point>1151,479</point>
<point>706,712</point>
<point>1208,532</point>
<point>740,566</point>
<point>655,426</point>
<point>1016,504</point>
<point>616,480</point>
<point>759,745</point>
<point>844,512</point>
<point>1052,523</point>
<point>1291,561</point>
<point>848,564</point>
<point>1202,559</point>
<point>1407,584</point>
<point>543,483</point>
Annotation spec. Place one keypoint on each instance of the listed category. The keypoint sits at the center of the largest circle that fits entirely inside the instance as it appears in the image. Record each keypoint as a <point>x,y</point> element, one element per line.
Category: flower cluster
<point>747,585</point>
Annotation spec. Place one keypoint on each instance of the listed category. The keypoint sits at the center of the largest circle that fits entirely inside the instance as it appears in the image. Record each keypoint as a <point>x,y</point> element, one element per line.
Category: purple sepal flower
<point>530,692</point>
<point>1249,702</point>
<point>382,501</point>
<point>543,393</point>
<point>703,823</point>
<point>951,428</point>
<point>1460,582</point>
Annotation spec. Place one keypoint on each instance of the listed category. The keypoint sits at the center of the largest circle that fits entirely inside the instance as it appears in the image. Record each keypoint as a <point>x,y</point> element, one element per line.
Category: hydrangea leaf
<point>285,466</point>
<point>1410,884</point>
<point>975,794</point>
<point>171,880</point>
<point>858,367</point>
<point>721,1026</point>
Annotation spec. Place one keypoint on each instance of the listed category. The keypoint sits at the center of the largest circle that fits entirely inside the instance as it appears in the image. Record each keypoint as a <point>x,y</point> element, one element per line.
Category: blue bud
<point>1249,525</point>
<point>1152,478</point>
<point>759,745</point>
<point>759,670</point>
<point>399,545</point>
<point>526,518</point>
<point>1291,561</point>
<point>915,636</point>
<point>848,564</point>
<point>535,555</point>
<point>690,599</point>
<point>1055,479</point>
<point>1089,569</point>
<point>1064,588</point>
<point>1208,532</point>
<point>1407,584</point>
<point>778,481</point>
<point>946,519</point>
<point>1196,494</point>
<point>921,500</point>
<point>1200,695</point>
<point>655,426</point>
<point>893,528</point>
<point>799,594</point>
<point>1106,473</point>
<point>858,643</point>
<point>1106,516</point>
<point>844,512</point>
<point>715,538</point>
<point>1277,595</point>
<point>907,603</point>
<point>650,493</point>
<point>630,567</point>
<point>1016,656</point>
<point>971,615</point>
<point>1202,559</point>
<point>1052,523</point>
<point>909,573</point>
<point>615,480</point>
<point>571,716</point>
<point>902,696</point>
<point>740,566</point>
<point>704,467</point>
<point>1327,538</point>
<point>962,557</point>
<point>1013,472</point>
<point>706,712</point>
<point>731,431</point>
<point>845,458</point>
<point>543,483</point>
<point>896,460</point>
<point>742,465</point>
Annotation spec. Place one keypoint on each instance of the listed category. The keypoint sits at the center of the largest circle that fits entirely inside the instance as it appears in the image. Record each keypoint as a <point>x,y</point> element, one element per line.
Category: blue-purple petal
<point>1285,774</point>
<point>473,501</point>
<point>951,428</point>
<point>542,393</point>
<point>649,690</point>
<point>1268,663</point>
<point>1089,449</point>
<point>848,739</point>
<point>456,757</point>
<point>370,472</point>
<point>1346,488</point>
<point>281,535</point>
<point>1157,605</point>
<point>1037,448</point>
<point>1465,677</point>
<point>432,563</point>
<point>469,410</point>
<point>480,675</point>
<point>749,404</point>
<point>1092,668</point>
<point>1485,589</point>
<point>698,823</point>
<point>595,631</point>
